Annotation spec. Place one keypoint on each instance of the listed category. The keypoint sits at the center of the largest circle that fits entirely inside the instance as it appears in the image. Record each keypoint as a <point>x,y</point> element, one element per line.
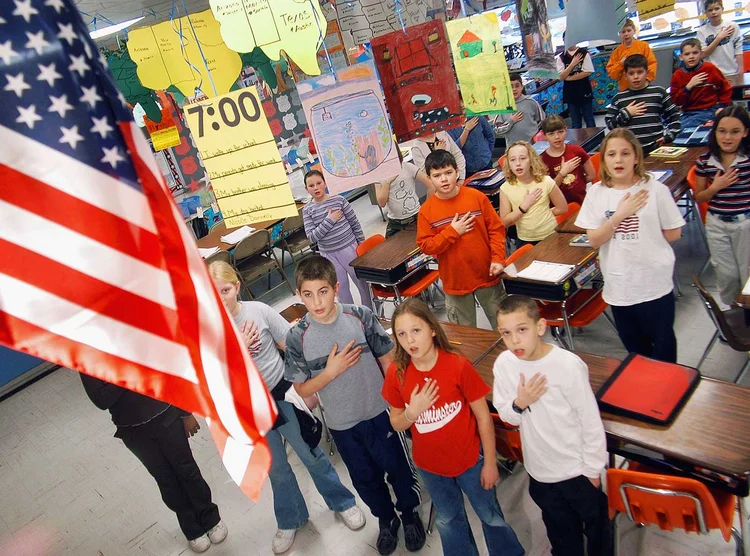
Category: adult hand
<point>698,79</point>
<point>496,269</point>
<point>630,204</point>
<point>569,165</point>
<point>471,123</point>
<point>531,197</point>
<point>489,475</point>
<point>191,426</point>
<point>530,392</point>
<point>636,108</point>
<point>424,399</point>
<point>463,224</point>
<point>335,215</point>
<point>724,180</point>
<point>339,362</point>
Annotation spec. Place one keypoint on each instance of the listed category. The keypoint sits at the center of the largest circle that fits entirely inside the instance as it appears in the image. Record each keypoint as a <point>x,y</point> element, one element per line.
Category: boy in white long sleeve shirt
<point>545,390</point>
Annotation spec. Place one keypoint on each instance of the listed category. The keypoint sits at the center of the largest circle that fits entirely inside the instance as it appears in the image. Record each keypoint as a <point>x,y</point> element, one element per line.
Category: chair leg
<point>738,550</point>
<point>329,438</point>
<point>281,271</point>
<point>431,518</point>
<point>708,349</point>
<point>742,372</point>
<point>615,536</point>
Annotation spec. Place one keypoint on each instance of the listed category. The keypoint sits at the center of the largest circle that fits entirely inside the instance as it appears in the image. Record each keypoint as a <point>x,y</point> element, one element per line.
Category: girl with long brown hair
<point>436,392</point>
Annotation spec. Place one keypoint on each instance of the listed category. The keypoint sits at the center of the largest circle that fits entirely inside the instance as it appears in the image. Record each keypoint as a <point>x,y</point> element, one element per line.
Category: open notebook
<point>546,272</point>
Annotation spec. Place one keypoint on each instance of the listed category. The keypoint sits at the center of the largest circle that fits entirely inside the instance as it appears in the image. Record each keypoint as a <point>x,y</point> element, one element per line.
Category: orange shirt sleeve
<point>614,66</point>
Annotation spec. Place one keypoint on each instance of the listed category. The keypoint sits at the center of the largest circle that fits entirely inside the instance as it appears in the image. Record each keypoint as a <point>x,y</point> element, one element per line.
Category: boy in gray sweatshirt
<point>521,125</point>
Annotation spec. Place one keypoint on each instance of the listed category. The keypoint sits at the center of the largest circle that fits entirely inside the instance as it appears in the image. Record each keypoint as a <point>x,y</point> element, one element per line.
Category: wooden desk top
<point>680,167</point>
<point>474,343</point>
<point>213,238</point>
<point>569,226</point>
<point>739,80</point>
<point>391,253</point>
<point>585,136</point>
<point>554,249</point>
<point>708,432</point>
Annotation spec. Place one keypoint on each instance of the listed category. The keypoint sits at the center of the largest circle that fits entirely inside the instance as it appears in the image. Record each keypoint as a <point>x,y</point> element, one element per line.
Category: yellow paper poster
<point>479,59</point>
<point>241,158</point>
<point>162,62</point>
<point>651,8</point>
<point>293,26</point>
<point>164,138</point>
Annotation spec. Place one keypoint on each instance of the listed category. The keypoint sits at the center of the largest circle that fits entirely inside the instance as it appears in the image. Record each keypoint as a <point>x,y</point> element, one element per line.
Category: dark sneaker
<point>388,536</point>
<point>414,534</point>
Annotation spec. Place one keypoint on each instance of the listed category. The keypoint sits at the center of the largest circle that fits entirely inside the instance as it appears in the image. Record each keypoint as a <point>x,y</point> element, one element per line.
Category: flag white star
<point>112,156</point>
<point>24,9</point>
<point>36,41</point>
<point>90,95</point>
<point>2,21</point>
<point>57,4</point>
<point>48,74</point>
<point>67,33</point>
<point>28,116</point>
<point>121,98</point>
<point>17,84</point>
<point>70,136</point>
<point>86,47</point>
<point>79,64</point>
<point>101,126</point>
<point>103,59</point>
<point>7,52</point>
<point>60,105</point>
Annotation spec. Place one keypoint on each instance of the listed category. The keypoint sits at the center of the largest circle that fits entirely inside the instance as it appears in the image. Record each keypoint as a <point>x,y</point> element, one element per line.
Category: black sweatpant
<point>648,328</point>
<point>166,454</point>
<point>571,509</point>
<point>372,451</point>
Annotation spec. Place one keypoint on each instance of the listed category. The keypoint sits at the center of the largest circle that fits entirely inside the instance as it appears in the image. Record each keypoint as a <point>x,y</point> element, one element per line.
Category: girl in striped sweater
<point>331,223</point>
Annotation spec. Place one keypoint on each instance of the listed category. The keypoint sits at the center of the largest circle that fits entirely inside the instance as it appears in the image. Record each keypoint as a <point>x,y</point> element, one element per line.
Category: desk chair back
<point>220,256</point>
<point>538,137</point>
<point>518,253</point>
<point>369,243</point>
<point>254,244</point>
<point>293,237</point>
<point>572,209</point>
<point>669,501</point>
<point>254,258</point>
<point>702,207</point>
<point>746,58</point>
<point>596,160</point>
<point>507,439</point>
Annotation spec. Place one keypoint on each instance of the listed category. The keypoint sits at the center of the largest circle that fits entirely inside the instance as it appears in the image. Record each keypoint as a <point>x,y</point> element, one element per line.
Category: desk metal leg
<point>744,526</point>
<point>568,330</point>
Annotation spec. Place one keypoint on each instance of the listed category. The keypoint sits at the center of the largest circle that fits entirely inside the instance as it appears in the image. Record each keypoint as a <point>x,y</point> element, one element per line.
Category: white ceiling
<point>123,10</point>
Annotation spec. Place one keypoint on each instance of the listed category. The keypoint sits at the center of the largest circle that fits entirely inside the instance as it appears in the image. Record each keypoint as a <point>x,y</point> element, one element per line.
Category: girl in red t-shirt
<point>435,391</point>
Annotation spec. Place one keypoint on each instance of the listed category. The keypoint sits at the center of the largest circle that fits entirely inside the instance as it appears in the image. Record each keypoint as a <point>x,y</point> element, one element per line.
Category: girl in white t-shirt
<point>632,219</point>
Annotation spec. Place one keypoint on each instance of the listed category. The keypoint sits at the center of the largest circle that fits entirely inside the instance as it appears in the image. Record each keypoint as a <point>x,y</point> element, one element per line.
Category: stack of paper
<point>206,253</point>
<point>546,272</point>
<point>238,235</point>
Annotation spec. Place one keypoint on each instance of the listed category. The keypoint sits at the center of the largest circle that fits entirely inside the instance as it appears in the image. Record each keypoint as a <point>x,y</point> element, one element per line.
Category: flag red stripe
<point>77,215</point>
<point>87,291</point>
<point>29,338</point>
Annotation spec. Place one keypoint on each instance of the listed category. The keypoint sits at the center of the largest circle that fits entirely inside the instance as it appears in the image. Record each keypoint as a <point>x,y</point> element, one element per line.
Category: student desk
<point>740,86</point>
<point>474,343</point>
<point>556,249</point>
<point>213,239</point>
<point>569,226</point>
<point>391,262</point>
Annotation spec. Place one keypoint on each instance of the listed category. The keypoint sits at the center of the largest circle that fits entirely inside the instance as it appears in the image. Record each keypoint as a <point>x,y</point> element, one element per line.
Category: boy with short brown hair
<point>721,42</point>
<point>460,227</point>
<point>546,391</point>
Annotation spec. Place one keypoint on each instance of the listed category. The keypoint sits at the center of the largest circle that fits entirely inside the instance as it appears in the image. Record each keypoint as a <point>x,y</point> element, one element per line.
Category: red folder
<point>648,390</point>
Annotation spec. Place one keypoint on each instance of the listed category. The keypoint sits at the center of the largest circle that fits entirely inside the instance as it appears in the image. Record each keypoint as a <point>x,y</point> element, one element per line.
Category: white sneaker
<point>283,540</point>
<point>354,518</point>
<point>218,533</point>
<point>201,544</point>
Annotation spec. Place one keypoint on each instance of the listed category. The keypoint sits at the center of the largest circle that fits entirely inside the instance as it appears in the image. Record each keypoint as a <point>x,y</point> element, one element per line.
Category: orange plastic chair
<point>411,287</point>
<point>702,207</point>
<point>592,307</point>
<point>507,439</point>
<point>539,136</point>
<point>572,209</point>
<point>596,160</point>
<point>746,58</point>
<point>518,253</point>
<point>500,162</point>
<point>670,501</point>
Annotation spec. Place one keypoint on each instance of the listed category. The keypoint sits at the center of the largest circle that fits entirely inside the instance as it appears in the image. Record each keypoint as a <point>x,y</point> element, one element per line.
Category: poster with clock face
<point>241,157</point>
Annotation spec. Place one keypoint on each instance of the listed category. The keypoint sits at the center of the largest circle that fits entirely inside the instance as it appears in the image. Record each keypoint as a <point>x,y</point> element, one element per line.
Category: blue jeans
<point>584,111</point>
<point>696,118</point>
<point>452,523</point>
<point>288,504</point>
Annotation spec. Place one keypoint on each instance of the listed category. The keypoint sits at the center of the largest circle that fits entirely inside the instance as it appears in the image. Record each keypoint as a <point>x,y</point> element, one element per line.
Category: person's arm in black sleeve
<point>103,394</point>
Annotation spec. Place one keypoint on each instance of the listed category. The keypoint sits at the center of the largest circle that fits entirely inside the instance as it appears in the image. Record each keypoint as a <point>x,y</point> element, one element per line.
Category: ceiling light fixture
<point>112,29</point>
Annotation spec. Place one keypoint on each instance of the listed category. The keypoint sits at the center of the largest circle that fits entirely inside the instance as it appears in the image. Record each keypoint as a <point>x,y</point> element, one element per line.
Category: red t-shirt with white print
<point>445,439</point>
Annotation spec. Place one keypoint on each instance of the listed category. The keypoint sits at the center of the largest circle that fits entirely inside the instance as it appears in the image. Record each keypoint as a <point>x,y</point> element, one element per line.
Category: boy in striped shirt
<point>646,109</point>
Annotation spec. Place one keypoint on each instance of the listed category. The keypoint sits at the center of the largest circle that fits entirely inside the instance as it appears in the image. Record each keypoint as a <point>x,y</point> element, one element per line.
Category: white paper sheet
<point>206,253</point>
<point>546,272</point>
<point>238,235</point>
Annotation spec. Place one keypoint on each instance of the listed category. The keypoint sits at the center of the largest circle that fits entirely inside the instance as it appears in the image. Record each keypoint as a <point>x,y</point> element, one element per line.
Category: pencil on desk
<point>455,343</point>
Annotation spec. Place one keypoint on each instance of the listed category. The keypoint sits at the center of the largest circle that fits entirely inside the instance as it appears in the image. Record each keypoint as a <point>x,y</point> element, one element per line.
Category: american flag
<point>98,271</point>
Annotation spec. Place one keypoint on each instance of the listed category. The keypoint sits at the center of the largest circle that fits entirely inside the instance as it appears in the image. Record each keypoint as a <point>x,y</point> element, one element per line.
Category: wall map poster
<point>479,59</point>
<point>349,125</point>
<point>418,80</point>
<point>241,157</point>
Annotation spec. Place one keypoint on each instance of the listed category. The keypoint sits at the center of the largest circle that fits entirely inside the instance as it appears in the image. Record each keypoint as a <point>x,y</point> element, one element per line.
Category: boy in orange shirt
<point>459,226</point>
<point>629,46</point>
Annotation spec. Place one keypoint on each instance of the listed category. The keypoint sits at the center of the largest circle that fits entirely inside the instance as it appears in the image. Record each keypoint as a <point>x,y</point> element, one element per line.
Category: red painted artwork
<point>418,80</point>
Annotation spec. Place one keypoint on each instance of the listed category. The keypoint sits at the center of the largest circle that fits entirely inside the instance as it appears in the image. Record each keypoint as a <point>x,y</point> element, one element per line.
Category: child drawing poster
<point>479,59</point>
<point>537,43</point>
<point>349,125</point>
<point>418,80</point>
